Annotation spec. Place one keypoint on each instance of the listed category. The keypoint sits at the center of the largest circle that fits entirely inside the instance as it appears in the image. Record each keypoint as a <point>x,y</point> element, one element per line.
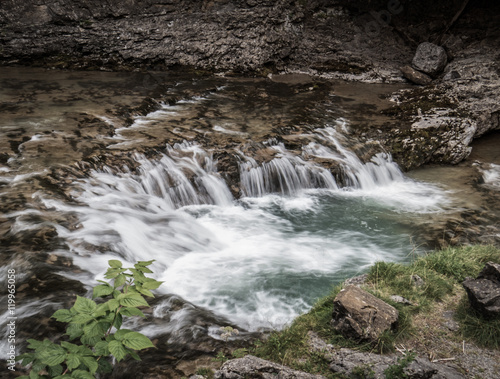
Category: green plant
<point>239,353</point>
<point>205,372</point>
<point>220,357</point>
<point>397,370</point>
<point>97,326</point>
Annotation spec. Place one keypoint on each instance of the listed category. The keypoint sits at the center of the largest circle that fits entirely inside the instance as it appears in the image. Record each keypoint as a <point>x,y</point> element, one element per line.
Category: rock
<point>491,271</point>
<point>361,316</point>
<point>356,281</point>
<point>369,365</point>
<point>415,76</point>
<point>253,367</point>
<point>401,300</point>
<point>429,58</point>
<point>484,291</point>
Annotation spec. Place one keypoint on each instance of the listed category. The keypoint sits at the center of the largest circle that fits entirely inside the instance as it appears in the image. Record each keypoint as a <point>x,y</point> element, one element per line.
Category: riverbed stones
<point>484,291</point>
<point>429,58</point>
<point>360,316</point>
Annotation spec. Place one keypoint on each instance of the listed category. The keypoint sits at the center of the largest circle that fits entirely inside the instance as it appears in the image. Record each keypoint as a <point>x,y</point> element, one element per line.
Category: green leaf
<point>137,341</point>
<point>132,300</point>
<point>101,348</point>
<point>74,331</point>
<point>120,280</point>
<point>26,358</point>
<point>118,321</point>
<point>146,292</point>
<point>113,304</point>
<point>35,344</point>
<point>72,348</point>
<point>90,340</point>
<point>102,290</point>
<point>151,284</point>
<point>91,363</point>
<point>114,263</point>
<point>62,315</point>
<point>95,328</point>
<point>55,370</point>
<point>131,311</point>
<point>120,334</point>
<point>34,375</point>
<point>82,374</point>
<point>52,356</point>
<point>138,275</point>
<point>72,361</point>
<point>117,349</point>
<point>85,351</point>
<point>84,305</point>
<point>101,310</point>
<point>133,354</point>
<point>145,263</point>
<point>82,319</point>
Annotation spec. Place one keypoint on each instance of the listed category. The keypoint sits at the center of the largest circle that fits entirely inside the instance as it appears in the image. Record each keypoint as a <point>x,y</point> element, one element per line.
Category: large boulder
<point>257,368</point>
<point>484,291</point>
<point>430,58</point>
<point>361,316</point>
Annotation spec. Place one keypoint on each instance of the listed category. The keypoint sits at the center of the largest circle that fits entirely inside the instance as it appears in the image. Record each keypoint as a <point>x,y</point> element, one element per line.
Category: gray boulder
<point>484,291</point>
<point>361,316</point>
<point>429,58</point>
<point>256,368</point>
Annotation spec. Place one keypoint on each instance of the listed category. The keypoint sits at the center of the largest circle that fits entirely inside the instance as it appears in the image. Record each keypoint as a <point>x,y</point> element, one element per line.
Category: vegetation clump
<point>96,327</point>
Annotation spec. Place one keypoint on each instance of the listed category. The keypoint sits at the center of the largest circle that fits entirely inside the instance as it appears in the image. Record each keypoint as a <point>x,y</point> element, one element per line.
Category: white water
<point>264,259</point>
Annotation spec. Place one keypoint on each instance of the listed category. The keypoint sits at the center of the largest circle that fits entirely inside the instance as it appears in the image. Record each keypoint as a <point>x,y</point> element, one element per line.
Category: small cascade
<point>186,175</point>
<point>288,174</point>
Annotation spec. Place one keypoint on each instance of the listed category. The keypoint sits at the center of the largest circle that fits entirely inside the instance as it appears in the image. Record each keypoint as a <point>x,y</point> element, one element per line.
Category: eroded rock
<point>361,316</point>
<point>415,76</point>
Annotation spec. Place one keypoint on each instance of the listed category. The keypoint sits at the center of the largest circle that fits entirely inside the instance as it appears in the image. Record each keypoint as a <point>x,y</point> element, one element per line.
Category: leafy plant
<point>97,326</point>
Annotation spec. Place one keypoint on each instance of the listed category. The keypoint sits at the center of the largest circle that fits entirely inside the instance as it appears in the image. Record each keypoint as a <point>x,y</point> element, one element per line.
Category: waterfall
<point>288,174</point>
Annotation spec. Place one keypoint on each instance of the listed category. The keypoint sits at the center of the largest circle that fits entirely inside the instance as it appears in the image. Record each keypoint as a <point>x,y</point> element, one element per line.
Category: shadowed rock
<point>484,291</point>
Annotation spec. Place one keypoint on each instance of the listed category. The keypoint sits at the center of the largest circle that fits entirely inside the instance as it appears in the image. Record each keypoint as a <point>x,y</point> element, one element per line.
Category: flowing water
<point>256,256</point>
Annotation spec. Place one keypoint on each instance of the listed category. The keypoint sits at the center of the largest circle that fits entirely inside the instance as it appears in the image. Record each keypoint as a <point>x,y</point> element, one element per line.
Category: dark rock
<point>253,367</point>
<point>430,58</point>
<point>415,76</point>
<point>491,271</point>
<point>361,316</point>
<point>484,296</point>
<point>356,281</point>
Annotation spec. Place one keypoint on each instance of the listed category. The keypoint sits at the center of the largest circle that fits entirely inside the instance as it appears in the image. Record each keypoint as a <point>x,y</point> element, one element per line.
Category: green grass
<point>484,332</point>
<point>441,271</point>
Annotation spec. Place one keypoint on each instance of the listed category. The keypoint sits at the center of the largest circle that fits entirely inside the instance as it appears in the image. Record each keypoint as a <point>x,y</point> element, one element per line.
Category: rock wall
<point>352,37</point>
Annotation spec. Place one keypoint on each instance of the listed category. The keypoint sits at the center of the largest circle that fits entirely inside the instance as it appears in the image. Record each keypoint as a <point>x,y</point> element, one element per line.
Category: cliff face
<point>352,37</point>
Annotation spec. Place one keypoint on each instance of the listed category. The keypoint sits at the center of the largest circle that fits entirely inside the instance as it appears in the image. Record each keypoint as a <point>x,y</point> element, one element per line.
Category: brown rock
<point>415,76</point>
<point>361,316</point>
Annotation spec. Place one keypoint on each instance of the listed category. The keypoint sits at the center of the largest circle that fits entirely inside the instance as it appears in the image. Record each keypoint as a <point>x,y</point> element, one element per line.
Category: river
<point>97,166</point>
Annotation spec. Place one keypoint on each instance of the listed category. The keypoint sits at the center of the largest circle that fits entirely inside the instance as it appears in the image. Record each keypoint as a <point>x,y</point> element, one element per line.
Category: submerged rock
<point>359,315</point>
